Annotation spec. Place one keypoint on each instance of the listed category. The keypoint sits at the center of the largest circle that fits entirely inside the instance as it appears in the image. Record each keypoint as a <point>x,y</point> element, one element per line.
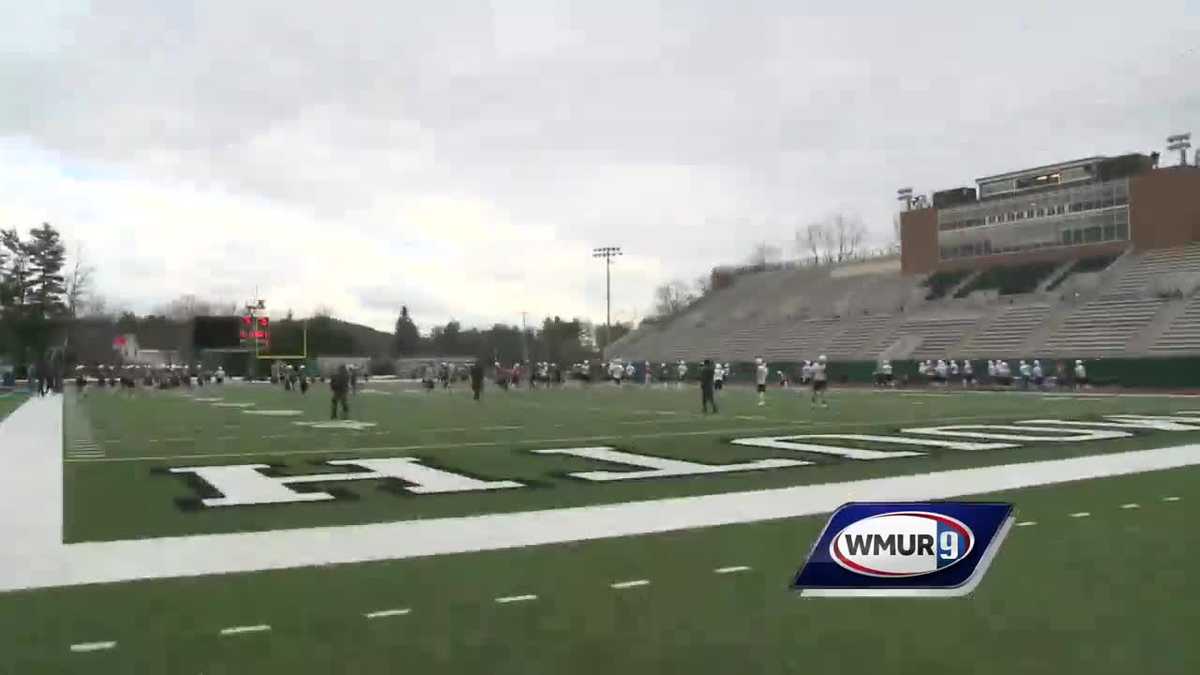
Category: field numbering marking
<point>92,646</point>
<point>238,630</point>
<point>386,612</point>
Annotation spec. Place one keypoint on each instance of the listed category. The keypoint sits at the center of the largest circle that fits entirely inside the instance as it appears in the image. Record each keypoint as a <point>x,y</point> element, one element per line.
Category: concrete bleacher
<point>1007,332</point>
<point>938,335</point>
<point>1183,333</point>
<point>1103,326</point>
<point>798,313</point>
<point>1136,280</point>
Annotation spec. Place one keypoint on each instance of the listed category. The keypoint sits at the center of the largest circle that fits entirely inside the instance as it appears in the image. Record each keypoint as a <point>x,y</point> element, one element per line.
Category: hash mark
<point>386,612</point>
<point>735,568</point>
<point>1081,514</point>
<point>92,646</point>
<point>1131,505</point>
<point>515,598</point>
<point>236,630</point>
<point>1170,499</point>
<point>630,584</point>
<point>1026,523</point>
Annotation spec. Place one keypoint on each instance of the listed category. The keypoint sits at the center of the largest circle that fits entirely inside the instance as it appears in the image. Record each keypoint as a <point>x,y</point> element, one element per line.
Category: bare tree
<point>671,298</point>
<point>848,234</point>
<point>78,282</point>
<point>190,306</point>
<point>812,241</point>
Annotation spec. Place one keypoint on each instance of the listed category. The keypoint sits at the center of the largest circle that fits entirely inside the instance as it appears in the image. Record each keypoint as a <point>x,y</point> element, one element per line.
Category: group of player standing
<point>130,376</point>
<point>1026,375</point>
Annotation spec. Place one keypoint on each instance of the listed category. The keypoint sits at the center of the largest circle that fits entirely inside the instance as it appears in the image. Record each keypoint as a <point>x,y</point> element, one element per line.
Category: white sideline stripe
<point>1131,505</point>
<point>1026,523</point>
<point>1081,514</point>
<point>386,612</point>
<point>35,557</point>
<point>1170,499</point>
<point>92,646</point>
<point>515,598</point>
<point>734,568</point>
<point>238,630</point>
<point>783,427</point>
<point>633,583</point>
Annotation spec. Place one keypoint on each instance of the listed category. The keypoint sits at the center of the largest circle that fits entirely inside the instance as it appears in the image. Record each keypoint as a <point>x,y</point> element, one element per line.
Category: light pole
<point>608,253</point>
<point>1180,142</point>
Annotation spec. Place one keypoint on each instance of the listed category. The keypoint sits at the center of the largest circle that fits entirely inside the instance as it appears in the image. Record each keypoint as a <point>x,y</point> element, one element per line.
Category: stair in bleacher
<point>1006,334</point>
<point>1103,326</point>
<point>1153,263</point>
<point>1183,333</point>
<point>854,336</point>
<point>939,335</point>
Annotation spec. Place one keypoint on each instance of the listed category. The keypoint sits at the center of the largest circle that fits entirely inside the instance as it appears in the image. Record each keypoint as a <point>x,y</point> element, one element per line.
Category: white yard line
<point>238,630</point>
<point>92,646</point>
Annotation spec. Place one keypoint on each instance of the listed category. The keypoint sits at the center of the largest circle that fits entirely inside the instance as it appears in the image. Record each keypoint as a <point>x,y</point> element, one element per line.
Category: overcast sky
<point>464,157</point>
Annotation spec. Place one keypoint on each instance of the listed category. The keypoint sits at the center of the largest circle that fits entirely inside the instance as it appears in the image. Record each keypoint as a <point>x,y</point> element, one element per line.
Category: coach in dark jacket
<point>706,386</point>
<point>339,384</point>
<point>476,379</point>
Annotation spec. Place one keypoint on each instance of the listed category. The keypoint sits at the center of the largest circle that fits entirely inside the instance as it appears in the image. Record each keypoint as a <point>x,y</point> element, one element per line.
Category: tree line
<point>556,340</point>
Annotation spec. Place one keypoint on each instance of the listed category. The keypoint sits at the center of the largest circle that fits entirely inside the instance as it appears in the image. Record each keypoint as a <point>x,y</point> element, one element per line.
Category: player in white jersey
<point>681,369</point>
<point>1081,376</point>
<point>1025,372</point>
<point>806,372</point>
<point>630,371</point>
<point>819,382</point>
<point>616,372</point>
<point>761,372</point>
<point>646,373</point>
<point>1003,373</point>
<point>718,376</point>
<point>889,378</point>
<point>939,372</point>
<point>953,369</point>
<point>1039,376</point>
<point>968,372</point>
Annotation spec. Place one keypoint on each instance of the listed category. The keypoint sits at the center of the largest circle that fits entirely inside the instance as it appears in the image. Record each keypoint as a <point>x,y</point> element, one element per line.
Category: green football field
<point>9,402</point>
<point>1096,578</point>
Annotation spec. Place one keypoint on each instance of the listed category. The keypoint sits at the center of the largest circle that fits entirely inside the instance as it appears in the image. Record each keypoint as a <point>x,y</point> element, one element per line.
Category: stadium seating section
<point>795,314</point>
<point>1010,280</point>
<point>940,283</point>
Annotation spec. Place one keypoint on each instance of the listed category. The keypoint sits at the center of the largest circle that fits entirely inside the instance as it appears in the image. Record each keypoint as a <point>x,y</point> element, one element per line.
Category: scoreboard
<point>216,332</point>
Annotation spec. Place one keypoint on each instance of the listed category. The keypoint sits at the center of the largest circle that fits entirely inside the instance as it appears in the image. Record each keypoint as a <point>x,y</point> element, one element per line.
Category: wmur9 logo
<point>905,549</point>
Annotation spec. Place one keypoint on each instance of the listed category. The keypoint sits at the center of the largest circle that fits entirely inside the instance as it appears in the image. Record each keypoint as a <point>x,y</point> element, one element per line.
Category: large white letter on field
<point>1155,423</point>
<point>793,443</point>
<point>657,467</point>
<point>989,431</point>
<point>244,484</point>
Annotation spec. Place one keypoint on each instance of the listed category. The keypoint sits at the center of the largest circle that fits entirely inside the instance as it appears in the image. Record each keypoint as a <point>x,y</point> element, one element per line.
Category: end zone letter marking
<point>658,467</point>
<point>245,484</point>
<point>791,443</point>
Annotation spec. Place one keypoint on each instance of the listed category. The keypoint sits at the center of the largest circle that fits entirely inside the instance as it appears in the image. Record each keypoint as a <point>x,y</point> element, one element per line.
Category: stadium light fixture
<point>607,253</point>
<point>1180,142</point>
<point>905,195</point>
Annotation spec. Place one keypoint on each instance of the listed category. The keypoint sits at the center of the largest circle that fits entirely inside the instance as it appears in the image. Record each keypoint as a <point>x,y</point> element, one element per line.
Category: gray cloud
<point>685,132</point>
